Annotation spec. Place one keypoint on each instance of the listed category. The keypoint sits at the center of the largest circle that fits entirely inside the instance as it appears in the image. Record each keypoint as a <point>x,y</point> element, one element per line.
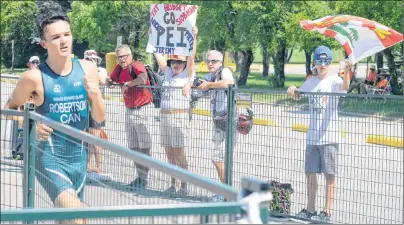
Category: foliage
<point>305,40</point>
<point>18,24</point>
<point>101,22</point>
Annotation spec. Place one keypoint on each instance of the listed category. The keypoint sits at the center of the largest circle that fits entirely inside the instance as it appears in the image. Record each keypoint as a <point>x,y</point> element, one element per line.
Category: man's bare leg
<point>98,159</point>
<point>90,154</point>
<point>69,199</point>
<point>220,170</point>
<point>94,150</point>
<point>180,161</point>
<point>312,187</point>
<point>331,186</point>
<point>142,171</point>
<point>171,159</point>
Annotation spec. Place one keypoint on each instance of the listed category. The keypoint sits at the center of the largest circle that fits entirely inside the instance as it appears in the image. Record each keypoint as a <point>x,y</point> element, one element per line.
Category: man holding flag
<point>323,136</point>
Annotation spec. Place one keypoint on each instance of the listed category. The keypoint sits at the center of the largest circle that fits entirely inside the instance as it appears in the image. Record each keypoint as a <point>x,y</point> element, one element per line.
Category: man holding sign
<point>172,29</point>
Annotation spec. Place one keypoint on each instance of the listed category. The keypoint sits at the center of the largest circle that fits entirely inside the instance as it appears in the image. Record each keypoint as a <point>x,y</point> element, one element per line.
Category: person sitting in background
<point>33,62</point>
<point>371,77</point>
<point>363,87</point>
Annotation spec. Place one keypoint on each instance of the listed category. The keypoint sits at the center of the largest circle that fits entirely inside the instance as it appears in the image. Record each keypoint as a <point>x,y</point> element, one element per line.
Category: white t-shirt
<point>103,74</point>
<point>219,97</point>
<point>173,98</point>
<point>324,124</point>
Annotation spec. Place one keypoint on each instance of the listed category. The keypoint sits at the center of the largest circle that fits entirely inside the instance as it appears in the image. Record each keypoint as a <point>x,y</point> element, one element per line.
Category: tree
<point>128,19</point>
<point>18,24</point>
<point>308,41</point>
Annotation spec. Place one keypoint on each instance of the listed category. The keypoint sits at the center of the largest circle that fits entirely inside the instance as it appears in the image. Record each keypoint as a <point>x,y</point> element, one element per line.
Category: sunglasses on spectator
<point>213,61</point>
<point>176,62</point>
<point>122,57</point>
<point>35,62</point>
<point>323,61</point>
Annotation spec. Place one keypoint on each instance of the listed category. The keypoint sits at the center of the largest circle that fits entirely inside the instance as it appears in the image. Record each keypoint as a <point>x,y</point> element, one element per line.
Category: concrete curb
<point>385,140</point>
<point>304,128</point>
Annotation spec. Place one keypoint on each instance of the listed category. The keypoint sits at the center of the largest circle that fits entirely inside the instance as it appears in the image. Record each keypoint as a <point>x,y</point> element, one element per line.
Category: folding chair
<point>383,91</point>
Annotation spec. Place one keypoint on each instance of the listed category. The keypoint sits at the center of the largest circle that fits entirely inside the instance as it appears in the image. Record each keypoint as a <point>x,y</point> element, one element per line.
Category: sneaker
<point>170,191</point>
<point>182,192</point>
<point>138,183</point>
<point>322,217</point>
<point>304,214</point>
<point>217,198</point>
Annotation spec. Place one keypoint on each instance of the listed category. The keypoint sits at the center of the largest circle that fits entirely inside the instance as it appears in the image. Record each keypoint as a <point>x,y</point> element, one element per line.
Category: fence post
<point>29,159</point>
<point>250,185</point>
<point>230,135</point>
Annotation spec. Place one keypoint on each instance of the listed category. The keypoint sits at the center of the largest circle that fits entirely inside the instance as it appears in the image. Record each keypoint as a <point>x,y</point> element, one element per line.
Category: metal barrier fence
<point>51,168</point>
<point>369,173</point>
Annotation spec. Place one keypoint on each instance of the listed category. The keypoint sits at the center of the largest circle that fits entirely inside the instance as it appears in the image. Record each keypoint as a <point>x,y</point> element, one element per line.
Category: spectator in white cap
<point>33,62</point>
<point>96,128</point>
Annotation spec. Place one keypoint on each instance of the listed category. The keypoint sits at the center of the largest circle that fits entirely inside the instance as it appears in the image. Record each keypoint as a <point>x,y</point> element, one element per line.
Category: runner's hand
<point>92,87</point>
<point>43,132</point>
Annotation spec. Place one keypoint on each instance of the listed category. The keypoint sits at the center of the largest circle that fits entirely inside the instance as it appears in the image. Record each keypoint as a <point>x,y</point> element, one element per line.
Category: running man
<point>323,136</point>
<point>60,88</point>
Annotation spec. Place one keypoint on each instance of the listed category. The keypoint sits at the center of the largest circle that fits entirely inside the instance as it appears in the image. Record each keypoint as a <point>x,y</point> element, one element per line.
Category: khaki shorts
<point>174,129</point>
<point>219,142</point>
<point>137,134</point>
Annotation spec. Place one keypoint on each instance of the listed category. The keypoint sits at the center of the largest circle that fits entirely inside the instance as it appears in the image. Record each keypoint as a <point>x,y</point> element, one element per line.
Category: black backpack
<point>156,80</point>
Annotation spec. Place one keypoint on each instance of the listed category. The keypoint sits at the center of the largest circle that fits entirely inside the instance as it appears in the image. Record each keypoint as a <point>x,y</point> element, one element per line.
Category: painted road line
<point>256,120</point>
<point>385,140</point>
<point>304,128</point>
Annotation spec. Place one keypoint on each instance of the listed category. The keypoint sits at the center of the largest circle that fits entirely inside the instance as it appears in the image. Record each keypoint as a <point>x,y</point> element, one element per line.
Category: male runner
<point>60,88</point>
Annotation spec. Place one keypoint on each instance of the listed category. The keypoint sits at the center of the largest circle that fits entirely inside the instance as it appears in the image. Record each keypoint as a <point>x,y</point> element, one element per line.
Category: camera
<point>197,82</point>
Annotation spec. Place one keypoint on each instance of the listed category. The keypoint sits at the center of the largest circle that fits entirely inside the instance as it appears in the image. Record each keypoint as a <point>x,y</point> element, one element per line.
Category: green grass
<point>372,107</point>
<point>16,71</point>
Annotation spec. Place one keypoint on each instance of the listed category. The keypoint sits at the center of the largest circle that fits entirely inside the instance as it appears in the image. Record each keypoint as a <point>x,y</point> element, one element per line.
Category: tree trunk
<point>307,55</point>
<point>379,60</point>
<point>289,56</point>
<point>279,65</point>
<point>237,59</point>
<point>392,70</point>
<point>247,59</point>
<point>265,60</point>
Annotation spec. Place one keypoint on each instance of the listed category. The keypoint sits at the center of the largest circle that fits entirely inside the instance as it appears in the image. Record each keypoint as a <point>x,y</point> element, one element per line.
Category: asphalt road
<point>369,183</point>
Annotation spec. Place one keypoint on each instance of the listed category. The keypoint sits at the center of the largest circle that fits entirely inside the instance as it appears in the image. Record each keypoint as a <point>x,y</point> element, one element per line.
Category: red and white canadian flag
<point>359,37</point>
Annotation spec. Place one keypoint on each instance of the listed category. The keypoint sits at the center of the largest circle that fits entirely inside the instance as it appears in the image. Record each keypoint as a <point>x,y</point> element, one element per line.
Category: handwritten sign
<point>171,29</point>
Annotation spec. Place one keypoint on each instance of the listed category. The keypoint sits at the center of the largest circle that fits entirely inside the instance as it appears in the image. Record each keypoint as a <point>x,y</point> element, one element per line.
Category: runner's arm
<point>92,80</point>
<point>22,91</point>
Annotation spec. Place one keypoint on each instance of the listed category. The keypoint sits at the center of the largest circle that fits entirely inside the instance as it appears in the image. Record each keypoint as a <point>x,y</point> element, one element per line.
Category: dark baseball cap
<point>322,50</point>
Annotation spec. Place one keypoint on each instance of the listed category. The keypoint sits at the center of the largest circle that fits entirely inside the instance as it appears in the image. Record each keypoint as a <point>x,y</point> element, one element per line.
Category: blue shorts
<point>57,172</point>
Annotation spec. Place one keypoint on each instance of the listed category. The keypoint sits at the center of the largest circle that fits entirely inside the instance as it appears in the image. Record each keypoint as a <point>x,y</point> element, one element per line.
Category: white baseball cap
<point>92,56</point>
<point>33,58</point>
